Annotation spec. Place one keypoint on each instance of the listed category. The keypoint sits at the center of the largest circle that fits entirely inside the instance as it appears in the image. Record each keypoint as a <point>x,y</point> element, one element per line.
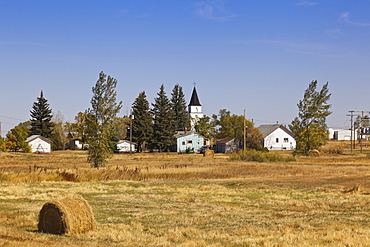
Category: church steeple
<point>194,109</point>
<point>194,98</point>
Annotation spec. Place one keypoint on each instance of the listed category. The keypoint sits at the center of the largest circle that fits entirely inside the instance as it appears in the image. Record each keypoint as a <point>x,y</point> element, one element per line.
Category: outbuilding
<point>228,145</point>
<point>39,144</point>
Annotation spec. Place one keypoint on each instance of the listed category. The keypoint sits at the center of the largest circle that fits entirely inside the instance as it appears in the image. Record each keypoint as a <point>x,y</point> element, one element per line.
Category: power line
<point>13,118</point>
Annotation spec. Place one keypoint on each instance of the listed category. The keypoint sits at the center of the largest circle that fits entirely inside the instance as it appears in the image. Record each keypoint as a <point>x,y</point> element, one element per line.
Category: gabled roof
<point>125,141</point>
<point>34,137</point>
<point>269,128</point>
<point>194,100</point>
<point>183,133</point>
<point>226,140</point>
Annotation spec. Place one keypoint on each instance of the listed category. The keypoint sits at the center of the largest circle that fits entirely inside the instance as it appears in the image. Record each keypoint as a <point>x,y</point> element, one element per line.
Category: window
<point>286,139</point>
<point>189,141</point>
<point>277,140</point>
<point>183,143</point>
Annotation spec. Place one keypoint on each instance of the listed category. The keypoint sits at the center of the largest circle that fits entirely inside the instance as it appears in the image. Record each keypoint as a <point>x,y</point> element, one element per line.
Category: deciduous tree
<point>310,125</point>
<point>15,139</point>
<point>228,125</point>
<point>100,120</point>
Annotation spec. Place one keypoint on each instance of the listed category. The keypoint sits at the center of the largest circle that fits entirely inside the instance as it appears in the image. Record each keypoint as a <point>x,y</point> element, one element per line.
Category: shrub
<point>259,156</point>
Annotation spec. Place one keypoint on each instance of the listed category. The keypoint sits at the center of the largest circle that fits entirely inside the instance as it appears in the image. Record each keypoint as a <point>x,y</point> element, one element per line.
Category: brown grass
<point>188,200</point>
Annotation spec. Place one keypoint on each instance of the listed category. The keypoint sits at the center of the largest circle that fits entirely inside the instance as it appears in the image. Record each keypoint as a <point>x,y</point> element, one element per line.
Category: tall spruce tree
<point>41,117</point>
<point>142,122</point>
<point>181,118</point>
<point>310,125</point>
<point>100,120</point>
<point>163,127</point>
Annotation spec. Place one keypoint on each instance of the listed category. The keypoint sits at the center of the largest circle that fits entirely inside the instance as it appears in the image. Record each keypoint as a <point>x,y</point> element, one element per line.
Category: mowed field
<point>167,199</point>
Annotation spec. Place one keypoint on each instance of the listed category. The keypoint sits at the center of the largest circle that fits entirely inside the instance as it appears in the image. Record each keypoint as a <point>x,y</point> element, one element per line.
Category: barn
<point>39,144</point>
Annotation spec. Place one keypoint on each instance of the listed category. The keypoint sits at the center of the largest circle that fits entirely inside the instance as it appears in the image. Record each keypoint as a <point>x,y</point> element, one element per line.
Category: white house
<point>39,144</point>
<point>123,146</point>
<point>277,137</point>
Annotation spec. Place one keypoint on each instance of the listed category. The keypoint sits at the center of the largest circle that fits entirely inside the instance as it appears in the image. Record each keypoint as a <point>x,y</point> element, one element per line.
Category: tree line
<point>154,125</point>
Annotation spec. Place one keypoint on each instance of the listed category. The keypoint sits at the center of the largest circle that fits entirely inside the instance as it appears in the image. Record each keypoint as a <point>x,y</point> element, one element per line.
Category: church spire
<point>194,100</point>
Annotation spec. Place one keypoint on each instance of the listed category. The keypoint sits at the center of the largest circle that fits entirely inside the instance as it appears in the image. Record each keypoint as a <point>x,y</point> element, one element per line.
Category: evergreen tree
<point>163,128</point>
<point>41,117</point>
<point>142,123</point>
<point>181,118</point>
<point>100,120</point>
<point>310,125</point>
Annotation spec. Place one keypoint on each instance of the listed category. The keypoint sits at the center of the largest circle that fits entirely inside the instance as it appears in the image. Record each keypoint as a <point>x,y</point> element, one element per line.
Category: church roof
<point>194,98</point>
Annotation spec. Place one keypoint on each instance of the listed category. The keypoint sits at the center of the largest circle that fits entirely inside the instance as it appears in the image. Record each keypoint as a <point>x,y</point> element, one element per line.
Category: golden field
<point>166,199</point>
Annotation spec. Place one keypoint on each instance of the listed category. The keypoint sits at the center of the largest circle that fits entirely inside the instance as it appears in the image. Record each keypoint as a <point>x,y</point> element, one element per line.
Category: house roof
<point>269,128</point>
<point>34,137</point>
<point>125,141</point>
<point>194,100</point>
<point>183,133</point>
<point>226,140</point>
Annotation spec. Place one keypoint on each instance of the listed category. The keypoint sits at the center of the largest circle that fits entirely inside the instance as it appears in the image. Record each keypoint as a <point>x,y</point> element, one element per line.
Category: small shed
<point>277,137</point>
<point>39,144</point>
<point>184,140</point>
<point>123,146</point>
<point>228,145</point>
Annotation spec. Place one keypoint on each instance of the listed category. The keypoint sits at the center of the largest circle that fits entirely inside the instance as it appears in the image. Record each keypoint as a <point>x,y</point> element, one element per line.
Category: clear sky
<point>242,54</point>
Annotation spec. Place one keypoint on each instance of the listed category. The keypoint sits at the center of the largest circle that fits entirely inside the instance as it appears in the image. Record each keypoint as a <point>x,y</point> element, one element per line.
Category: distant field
<point>188,200</point>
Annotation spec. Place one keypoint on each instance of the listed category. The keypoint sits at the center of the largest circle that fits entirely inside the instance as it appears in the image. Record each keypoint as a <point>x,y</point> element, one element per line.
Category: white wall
<point>279,140</point>
<point>39,145</point>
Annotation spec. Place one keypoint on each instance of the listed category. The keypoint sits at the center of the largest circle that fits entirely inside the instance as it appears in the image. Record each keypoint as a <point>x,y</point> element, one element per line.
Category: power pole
<point>131,117</point>
<point>352,130</point>
<point>245,133</point>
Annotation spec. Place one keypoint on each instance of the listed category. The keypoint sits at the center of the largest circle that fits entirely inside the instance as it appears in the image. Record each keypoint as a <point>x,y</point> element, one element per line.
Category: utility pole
<point>131,117</point>
<point>245,133</point>
<point>351,130</point>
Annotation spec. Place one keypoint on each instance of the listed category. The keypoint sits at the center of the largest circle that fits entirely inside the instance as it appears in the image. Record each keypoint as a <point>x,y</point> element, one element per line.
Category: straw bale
<point>315,152</point>
<point>209,153</point>
<point>67,216</point>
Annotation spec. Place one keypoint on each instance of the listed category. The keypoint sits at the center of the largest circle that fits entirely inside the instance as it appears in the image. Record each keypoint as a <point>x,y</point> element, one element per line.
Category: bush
<point>259,156</point>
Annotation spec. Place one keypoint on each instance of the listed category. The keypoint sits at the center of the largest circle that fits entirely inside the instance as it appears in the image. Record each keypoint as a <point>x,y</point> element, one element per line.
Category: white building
<point>342,134</point>
<point>194,109</point>
<point>277,137</point>
<point>123,146</point>
<point>39,144</point>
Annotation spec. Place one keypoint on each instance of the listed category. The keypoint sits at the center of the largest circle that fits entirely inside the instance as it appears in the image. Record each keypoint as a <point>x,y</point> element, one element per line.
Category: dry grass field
<point>191,200</point>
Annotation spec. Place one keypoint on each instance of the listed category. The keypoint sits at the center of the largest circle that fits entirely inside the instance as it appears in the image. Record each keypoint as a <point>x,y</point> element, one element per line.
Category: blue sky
<point>245,54</point>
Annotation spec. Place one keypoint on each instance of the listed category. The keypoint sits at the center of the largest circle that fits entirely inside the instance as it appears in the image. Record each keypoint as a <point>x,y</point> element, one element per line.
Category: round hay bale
<point>315,152</point>
<point>67,216</point>
<point>209,153</point>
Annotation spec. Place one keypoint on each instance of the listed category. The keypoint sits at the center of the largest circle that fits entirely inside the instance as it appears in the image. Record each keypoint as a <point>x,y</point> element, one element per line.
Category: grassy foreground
<point>189,200</point>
